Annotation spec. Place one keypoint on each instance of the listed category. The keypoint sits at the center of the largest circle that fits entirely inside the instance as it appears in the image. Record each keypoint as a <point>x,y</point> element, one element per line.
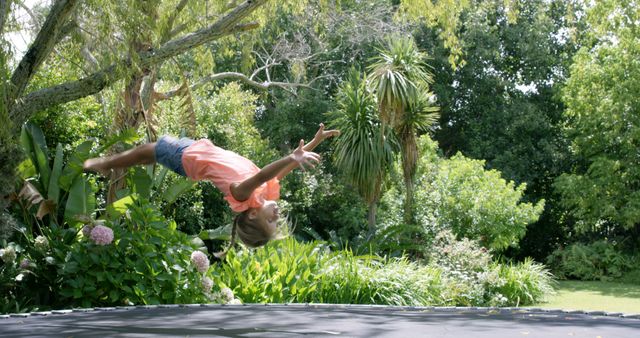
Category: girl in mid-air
<point>250,191</point>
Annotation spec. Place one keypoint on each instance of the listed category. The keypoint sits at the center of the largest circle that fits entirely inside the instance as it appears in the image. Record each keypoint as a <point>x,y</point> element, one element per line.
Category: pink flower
<point>102,235</point>
<point>200,260</point>
<point>24,264</point>
<point>86,230</point>
<point>207,284</point>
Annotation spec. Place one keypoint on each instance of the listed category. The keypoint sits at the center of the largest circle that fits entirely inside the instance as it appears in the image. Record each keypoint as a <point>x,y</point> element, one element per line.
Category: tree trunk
<point>408,201</point>
<point>128,116</point>
<point>371,216</point>
<point>409,162</point>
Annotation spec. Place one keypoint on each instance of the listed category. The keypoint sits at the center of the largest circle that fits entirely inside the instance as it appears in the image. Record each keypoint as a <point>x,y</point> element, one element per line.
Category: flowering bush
<point>101,235</point>
<point>200,260</point>
<point>147,262</point>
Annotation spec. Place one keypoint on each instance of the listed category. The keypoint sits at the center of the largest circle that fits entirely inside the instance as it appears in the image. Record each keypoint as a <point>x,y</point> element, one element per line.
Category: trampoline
<point>317,320</point>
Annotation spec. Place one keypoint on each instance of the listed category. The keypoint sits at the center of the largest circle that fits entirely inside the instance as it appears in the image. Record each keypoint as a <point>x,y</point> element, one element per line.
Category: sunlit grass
<point>596,296</point>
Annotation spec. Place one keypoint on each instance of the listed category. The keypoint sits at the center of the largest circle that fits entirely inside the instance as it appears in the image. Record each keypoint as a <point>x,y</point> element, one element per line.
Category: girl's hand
<point>322,134</point>
<point>304,158</point>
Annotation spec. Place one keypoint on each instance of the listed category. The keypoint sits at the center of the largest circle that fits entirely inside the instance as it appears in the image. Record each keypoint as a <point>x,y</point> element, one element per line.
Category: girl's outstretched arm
<point>320,136</point>
<point>241,191</point>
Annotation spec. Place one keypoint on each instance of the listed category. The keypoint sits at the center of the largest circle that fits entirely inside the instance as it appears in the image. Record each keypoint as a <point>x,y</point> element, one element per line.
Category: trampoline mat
<point>296,320</point>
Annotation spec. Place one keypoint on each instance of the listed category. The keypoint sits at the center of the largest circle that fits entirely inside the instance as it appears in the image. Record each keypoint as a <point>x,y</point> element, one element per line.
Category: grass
<point>595,296</point>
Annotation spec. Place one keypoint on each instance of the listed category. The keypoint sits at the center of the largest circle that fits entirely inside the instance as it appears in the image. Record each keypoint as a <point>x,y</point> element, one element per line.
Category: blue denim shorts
<point>169,152</point>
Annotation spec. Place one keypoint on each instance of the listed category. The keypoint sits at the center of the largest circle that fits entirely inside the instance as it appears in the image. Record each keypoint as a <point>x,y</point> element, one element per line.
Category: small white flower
<point>227,294</point>
<point>8,254</point>
<point>235,301</point>
<point>200,260</point>
<point>41,243</point>
<point>207,284</point>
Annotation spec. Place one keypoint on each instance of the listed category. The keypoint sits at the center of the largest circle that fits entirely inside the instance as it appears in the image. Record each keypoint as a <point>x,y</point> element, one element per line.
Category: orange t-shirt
<point>204,161</point>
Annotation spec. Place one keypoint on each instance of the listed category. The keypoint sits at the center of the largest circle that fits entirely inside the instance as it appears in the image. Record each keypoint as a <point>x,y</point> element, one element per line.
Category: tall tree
<point>603,122</point>
<point>364,151</point>
<point>127,44</point>
<point>401,82</point>
<point>504,106</point>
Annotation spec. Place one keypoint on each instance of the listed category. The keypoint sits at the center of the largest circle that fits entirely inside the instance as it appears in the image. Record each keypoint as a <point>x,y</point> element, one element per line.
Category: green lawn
<point>604,296</point>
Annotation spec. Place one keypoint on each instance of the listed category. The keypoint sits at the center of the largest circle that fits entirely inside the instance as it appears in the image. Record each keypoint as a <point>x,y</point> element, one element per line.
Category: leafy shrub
<point>372,280</point>
<point>290,271</point>
<point>461,255</point>
<point>138,258</point>
<point>147,263</point>
<point>459,194</point>
<point>519,284</point>
<point>473,279</point>
<point>600,260</point>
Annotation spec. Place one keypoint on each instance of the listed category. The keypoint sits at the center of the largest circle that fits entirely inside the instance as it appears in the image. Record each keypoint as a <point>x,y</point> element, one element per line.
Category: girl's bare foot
<point>96,165</point>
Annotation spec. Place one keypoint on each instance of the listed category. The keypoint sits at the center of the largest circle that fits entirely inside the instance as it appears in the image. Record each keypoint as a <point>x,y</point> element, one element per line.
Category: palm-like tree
<point>363,151</point>
<point>401,80</point>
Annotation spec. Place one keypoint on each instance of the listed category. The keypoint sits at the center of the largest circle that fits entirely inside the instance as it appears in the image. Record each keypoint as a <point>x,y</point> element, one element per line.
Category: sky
<point>20,40</point>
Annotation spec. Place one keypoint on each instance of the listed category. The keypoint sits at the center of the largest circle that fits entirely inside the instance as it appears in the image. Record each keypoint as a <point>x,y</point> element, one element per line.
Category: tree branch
<point>225,26</point>
<point>41,47</point>
<point>239,77</point>
<point>94,83</point>
<point>34,18</point>
<point>166,35</point>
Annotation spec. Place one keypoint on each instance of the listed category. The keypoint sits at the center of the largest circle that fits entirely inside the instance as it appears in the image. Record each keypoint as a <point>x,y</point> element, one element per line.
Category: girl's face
<point>267,215</point>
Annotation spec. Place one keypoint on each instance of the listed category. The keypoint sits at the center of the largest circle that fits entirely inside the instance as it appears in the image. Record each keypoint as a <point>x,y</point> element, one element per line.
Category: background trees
<point>602,120</point>
<point>518,108</point>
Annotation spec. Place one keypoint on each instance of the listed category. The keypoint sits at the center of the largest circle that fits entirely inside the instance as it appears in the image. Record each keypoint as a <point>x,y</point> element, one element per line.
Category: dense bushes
<point>290,271</point>
<point>140,259</point>
<point>599,260</point>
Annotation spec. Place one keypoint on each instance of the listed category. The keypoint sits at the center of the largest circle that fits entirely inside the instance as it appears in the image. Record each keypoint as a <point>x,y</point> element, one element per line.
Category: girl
<point>250,191</point>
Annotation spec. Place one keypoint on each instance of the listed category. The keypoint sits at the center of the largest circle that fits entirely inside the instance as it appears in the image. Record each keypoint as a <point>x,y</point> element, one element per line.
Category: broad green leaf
<point>74,165</point>
<point>141,182</point>
<point>175,190</point>
<point>26,169</point>
<point>223,233</point>
<point>119,207</point>
<point>81,200</point>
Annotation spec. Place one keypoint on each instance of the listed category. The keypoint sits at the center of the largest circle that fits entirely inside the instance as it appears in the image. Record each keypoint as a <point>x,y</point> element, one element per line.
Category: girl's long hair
<point>251,233</point>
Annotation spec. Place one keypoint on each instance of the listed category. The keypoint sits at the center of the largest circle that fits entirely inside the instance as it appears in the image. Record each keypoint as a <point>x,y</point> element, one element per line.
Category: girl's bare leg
<point>143,154</point>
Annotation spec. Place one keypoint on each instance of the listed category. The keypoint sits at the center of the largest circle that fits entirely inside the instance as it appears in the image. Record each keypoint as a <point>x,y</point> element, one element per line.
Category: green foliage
<point>503,105</point>
<point>373,280</point>
<point>72,123</point>
<point>364,150</point>
<point>475,203</point>
<point>472,278</point>
<point>229,121</point>
<point>603,122</point>
<point>521,284</point>
<point>319,201</point>
<point>282,272</point>
<point>601,260</point>
<point>148,263</point>
<point>55,188</point>
<point>397,75</point>
<point>463,255</point>
<point>290,271</point>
